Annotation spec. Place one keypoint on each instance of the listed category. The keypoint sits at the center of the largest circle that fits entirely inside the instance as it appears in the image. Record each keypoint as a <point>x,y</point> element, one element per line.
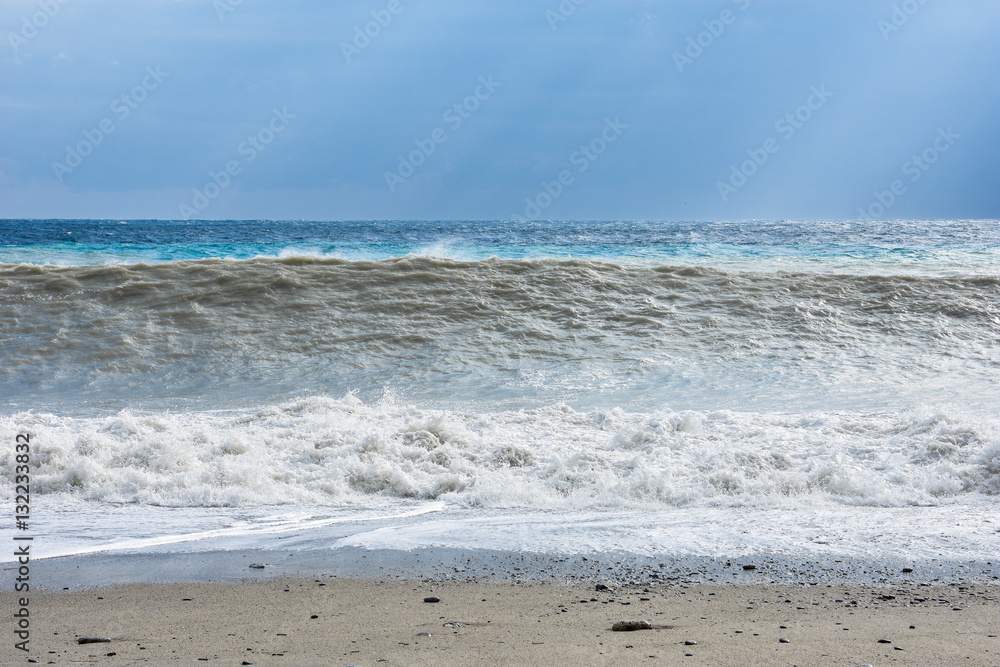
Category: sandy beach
<point>334,621</point>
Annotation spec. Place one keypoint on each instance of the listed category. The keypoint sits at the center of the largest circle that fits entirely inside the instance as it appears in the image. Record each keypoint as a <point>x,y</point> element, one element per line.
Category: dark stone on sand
<point>314,616</point>
<point>884,641</point>
<point>907,570</point>
<point>246,662</point>
<point>690,642</point>
<point>898,648</point>
<point>93,640</point>
<point>749,567</point>
<point>257,566</point>
<point>431,598</point>
<point>631,626</point>
<point>600,587</point>
<point>784,640</point>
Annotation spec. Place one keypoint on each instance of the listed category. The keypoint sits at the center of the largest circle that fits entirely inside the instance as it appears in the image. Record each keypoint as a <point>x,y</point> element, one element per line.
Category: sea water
<point>697,389</point>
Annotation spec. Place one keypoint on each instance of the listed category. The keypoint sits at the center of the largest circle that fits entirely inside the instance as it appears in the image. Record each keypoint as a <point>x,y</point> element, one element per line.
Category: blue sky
<point>632,109</point>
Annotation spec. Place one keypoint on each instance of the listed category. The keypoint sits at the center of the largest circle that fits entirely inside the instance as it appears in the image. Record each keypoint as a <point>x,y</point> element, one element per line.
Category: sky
<point>510,109</point>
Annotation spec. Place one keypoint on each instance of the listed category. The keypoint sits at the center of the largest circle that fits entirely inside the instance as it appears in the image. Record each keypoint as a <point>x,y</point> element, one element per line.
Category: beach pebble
<point>749,567</point>
<point>630,626</point>
<point>784,640</point>
<point>907,570</point>
<point>258,566</point>
<point>432,598</point>
<point>690,642</point>
<point>600,587</point>
<point>92,640</point>
<point>884,641</point>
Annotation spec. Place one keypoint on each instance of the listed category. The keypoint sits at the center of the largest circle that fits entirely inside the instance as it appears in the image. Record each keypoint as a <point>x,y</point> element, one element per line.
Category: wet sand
<point>350,621</point>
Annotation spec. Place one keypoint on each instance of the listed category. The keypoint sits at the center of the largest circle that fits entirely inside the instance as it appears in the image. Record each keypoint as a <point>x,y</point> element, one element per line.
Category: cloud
<point>356,116</point>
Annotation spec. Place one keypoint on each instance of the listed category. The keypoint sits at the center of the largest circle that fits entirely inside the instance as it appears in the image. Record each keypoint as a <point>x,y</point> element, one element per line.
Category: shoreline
<point>157,566</point>
<point>153,566</point>
<point>353,621</point>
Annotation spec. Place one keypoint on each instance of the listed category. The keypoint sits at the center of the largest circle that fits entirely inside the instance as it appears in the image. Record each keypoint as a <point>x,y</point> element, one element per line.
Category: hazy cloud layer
<point>428,110</point>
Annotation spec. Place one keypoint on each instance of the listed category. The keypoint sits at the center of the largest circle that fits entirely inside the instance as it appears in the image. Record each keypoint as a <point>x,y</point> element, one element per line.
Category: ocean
<point>706,390</point>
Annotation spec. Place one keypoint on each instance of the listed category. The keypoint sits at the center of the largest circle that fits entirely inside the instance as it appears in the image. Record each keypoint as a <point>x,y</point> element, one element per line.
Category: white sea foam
<point>951,531</point>
<point>325,451</point>
<point>74,528</point>
<point>959,529</point>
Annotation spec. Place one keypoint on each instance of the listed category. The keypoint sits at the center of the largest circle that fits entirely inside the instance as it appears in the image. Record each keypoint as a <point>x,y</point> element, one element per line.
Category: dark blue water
<point>87,242</point>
